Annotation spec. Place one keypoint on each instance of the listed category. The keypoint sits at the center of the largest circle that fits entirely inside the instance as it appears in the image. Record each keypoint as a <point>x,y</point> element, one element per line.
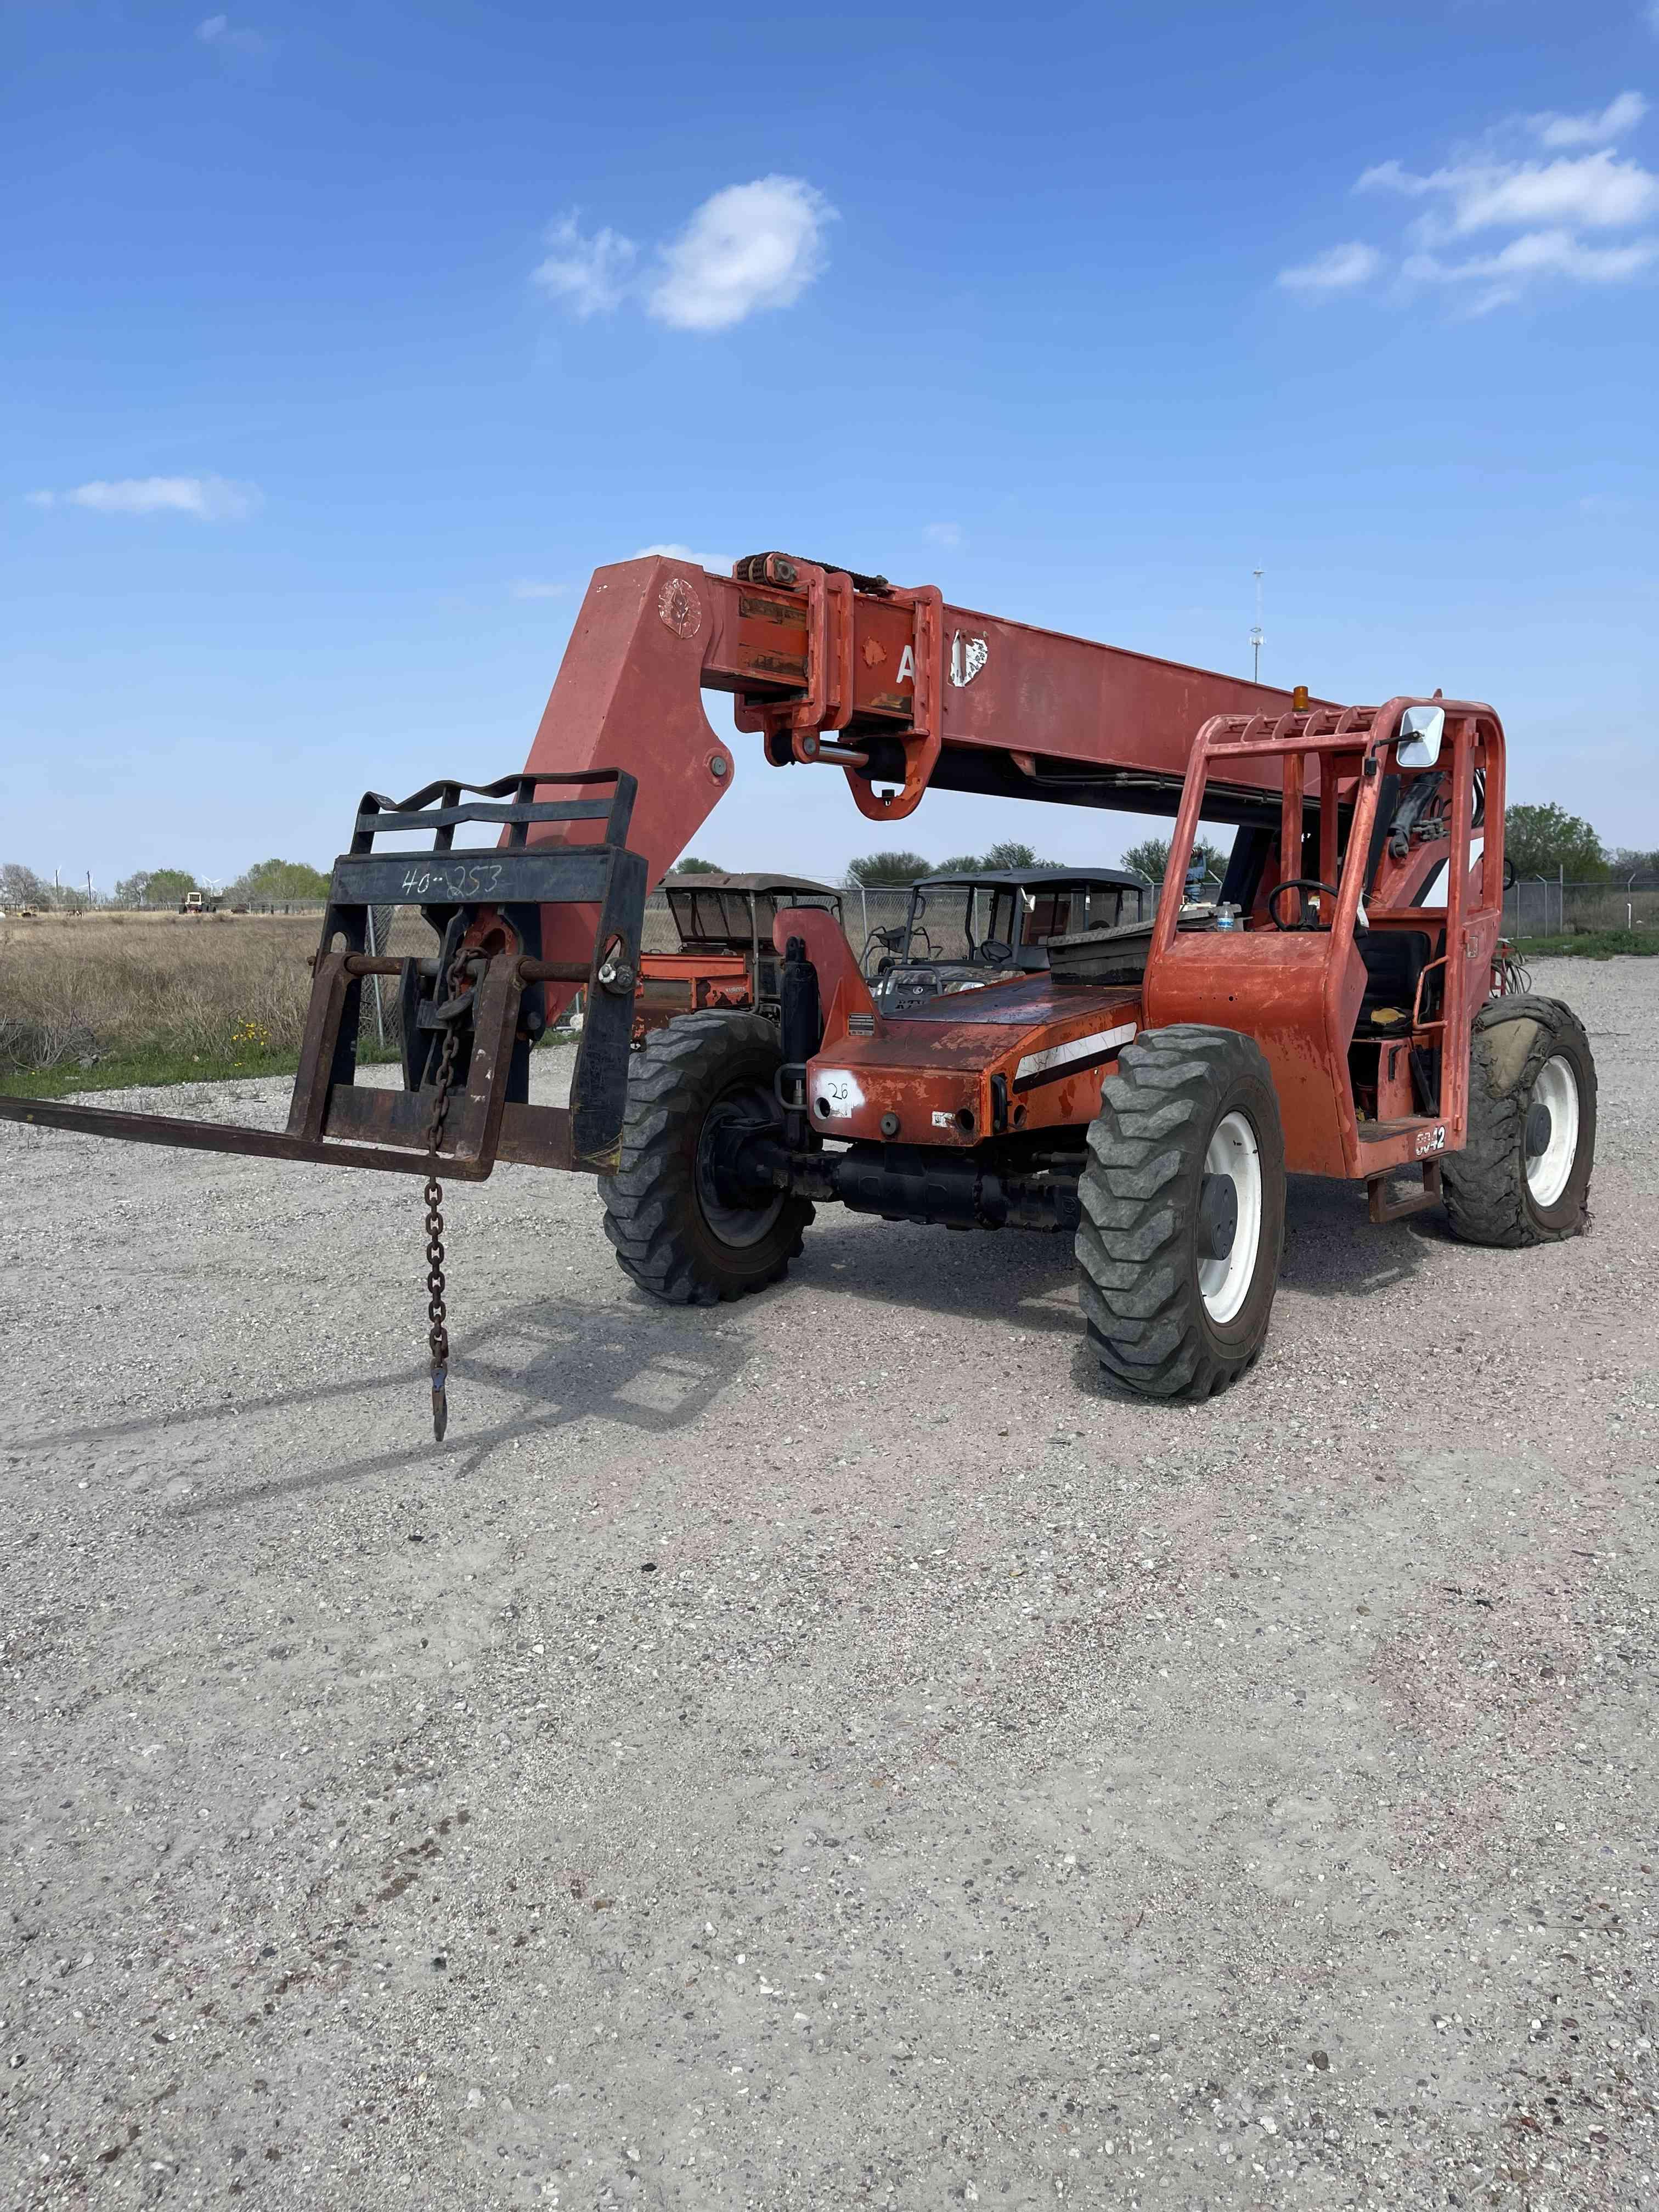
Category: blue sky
<point>345,342</point>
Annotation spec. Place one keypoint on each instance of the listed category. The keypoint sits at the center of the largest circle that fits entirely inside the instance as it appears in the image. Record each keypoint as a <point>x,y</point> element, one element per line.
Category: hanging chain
<point>437,1312</point>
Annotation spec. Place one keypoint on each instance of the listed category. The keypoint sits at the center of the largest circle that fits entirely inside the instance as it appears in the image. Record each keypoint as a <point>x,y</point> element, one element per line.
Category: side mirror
<point>1421,729</point>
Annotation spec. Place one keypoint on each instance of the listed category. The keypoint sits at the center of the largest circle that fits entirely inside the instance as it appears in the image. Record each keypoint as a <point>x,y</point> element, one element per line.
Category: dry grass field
<point>89,999</point>
<point>101,1001</point>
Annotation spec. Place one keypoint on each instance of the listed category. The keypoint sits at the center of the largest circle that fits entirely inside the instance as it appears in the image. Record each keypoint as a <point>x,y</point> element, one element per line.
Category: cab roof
<point>702,879</point>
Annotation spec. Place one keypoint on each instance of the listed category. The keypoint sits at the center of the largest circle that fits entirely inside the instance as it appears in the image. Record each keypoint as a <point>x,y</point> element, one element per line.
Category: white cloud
<point>218,30</point>
<point>209,499</point>
<point>1559,212</point>
<point>1502,277</point>
<point>1596,190</point>
<point>591,275</point>
<point>1338,270</point>
<point>942,533</point>
<point>748,248</point>
<point>530,587</point>
<point>722,563</point>
<point>1622,113</point>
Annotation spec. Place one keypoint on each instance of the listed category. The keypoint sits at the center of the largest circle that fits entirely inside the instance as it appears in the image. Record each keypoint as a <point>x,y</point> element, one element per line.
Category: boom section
<point>888,683</point>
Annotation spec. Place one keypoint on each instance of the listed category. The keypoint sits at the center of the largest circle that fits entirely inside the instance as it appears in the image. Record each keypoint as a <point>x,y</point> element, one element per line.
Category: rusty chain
<point>437,1312</point>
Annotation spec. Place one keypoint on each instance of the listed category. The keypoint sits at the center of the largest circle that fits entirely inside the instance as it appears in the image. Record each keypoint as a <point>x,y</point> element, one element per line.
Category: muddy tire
<point>1183,1213</point>
<point>1523,1176</point>
<point>674,1235</point>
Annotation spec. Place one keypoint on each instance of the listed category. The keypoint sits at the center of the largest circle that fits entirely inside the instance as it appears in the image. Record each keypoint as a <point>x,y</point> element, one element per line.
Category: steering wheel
<point>1298,884</point>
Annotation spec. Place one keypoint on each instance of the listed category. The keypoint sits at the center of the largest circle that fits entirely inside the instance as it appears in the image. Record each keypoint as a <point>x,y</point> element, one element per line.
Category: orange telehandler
<point>1343,1007</point>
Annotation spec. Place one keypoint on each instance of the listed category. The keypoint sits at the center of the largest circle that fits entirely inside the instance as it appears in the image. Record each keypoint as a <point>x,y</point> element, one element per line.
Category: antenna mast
<point>1255,634</point>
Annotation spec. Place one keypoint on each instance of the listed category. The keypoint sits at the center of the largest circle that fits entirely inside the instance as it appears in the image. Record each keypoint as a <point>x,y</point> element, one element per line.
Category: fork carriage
<point>485,908</point>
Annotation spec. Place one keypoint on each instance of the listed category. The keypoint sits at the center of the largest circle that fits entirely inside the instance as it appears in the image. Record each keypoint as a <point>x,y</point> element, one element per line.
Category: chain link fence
<point>1545,906</point>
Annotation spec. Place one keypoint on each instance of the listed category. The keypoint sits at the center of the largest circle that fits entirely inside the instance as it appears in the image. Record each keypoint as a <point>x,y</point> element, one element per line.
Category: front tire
<point>675,1235</point>
<point>1183,1213</point>
<point>1523,1175</point>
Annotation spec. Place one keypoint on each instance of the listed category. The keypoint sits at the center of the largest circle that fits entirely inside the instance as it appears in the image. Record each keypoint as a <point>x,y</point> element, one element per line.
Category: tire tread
<point>1137,1292</point>
<point>644,1201</point>
<point>1484,1184</point>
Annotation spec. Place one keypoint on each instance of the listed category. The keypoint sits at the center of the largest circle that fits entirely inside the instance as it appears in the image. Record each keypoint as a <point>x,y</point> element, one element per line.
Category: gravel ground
<point>825,1753</point>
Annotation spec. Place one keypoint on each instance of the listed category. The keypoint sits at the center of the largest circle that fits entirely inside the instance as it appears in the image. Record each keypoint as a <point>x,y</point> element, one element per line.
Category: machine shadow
<point>654,1369</point>
<point>1331,1250</point>
<point>1027,1281</point>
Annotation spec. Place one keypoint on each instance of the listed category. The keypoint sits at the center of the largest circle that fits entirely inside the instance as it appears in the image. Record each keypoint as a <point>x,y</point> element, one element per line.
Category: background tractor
<point>965,928</point>
<point>727,959</point>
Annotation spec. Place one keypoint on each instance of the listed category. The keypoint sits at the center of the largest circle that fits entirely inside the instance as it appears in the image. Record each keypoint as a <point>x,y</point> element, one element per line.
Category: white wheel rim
<point>1225,1283</point>
<point>1556,1089</point>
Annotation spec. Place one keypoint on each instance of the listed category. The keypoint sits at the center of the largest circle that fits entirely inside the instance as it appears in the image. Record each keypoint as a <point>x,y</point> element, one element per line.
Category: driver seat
<point>1395,960</point>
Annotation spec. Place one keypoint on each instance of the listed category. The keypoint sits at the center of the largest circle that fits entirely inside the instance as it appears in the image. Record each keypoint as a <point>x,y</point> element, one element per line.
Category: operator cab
<point>1399,933</point>
<point>716,913</point>
<point>1331,942</point>
<point>968,929</point>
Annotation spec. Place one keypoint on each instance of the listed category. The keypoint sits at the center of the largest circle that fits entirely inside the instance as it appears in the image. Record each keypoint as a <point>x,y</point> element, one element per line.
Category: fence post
<point>864,907</point>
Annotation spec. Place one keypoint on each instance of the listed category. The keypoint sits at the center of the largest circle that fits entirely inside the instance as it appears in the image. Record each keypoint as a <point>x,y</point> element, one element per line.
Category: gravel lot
<point>825,1753</point>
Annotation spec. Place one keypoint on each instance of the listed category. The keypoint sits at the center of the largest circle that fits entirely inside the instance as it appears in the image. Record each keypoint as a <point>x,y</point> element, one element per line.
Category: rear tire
<point>1188,1131</point>
<point>1523,1176</point>
<point>674,1235</point>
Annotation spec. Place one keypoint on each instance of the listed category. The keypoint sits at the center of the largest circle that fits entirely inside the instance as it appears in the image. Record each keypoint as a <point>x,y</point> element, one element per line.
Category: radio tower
<point>1255,634</point>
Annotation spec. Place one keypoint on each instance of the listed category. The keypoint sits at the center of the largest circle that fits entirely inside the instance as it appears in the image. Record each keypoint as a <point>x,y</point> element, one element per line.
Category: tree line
<point>1539,841</point>
<point>879,870</point>
<point>267,883</point>
<point>874,871</point>
<point>1547,841</point>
